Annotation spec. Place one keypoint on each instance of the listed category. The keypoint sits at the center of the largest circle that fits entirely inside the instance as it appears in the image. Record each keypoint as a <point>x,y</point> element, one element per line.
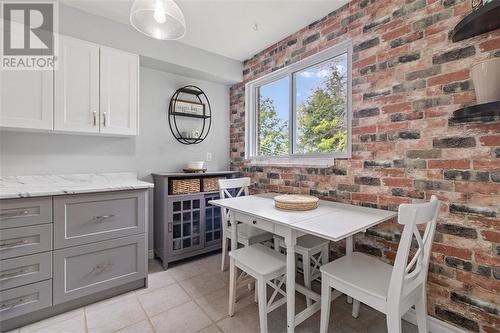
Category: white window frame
<point>251,103</point>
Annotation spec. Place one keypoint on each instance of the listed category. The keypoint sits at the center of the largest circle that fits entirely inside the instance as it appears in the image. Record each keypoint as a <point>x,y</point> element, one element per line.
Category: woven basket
<point>185,186</point>
<point>210,184</point>
<point>296,202</point>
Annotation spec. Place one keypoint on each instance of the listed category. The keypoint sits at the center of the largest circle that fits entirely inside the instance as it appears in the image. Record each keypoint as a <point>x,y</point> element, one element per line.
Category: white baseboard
<point>435,325</point>
<point>151,254</point>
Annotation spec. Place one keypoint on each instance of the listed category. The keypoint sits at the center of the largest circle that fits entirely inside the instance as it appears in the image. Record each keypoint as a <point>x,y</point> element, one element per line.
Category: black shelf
<point>482,20</point>
<point>480,113</point>
<point>190,91</point>
<point>180,114</point>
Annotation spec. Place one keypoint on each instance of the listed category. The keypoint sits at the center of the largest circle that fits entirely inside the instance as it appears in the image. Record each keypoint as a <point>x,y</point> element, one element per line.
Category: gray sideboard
<point>62,252</point>
<point>185,225</point>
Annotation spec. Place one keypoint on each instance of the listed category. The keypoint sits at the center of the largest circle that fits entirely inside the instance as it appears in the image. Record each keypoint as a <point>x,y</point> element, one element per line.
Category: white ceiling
<point>226,27</point>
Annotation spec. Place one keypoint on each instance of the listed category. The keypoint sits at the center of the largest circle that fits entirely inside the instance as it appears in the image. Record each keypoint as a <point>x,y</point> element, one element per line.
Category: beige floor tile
<point>216,303</point>
<point>157,280</point>
<point>163,299</point>
<point>243,321</point>
<point>154,265</point>
<point>109,301</point>
<point>141,327</point>
<point>115,316</point>
<point>74,324</point>
<point>210,329</point>
<point>185,270</point>
<point>186,318</point>
<point>203,284</point>
<point>52,321</point>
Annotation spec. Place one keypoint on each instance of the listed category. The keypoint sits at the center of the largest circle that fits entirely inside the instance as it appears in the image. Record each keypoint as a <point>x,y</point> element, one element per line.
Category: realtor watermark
<point>29,35</point>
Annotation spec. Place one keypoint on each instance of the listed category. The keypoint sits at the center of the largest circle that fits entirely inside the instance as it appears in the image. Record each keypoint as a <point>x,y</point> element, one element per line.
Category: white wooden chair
<point>389,289</point>
<point>313,252</point>
<point>247,235</point>
<point>267,267</point>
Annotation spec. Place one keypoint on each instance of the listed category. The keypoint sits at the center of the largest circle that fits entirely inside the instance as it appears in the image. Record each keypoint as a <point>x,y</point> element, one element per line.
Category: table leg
<point>290,242</point>
<point>234,231</point>
<point>355,306</point>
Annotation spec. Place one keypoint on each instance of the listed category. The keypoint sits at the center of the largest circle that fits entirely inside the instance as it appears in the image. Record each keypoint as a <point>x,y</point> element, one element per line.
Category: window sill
<point>294,162</point>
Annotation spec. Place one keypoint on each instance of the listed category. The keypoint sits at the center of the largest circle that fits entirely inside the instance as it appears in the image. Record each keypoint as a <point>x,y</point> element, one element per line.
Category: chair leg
<point>326,295</point>
<point>224,254</point>
<point>393,322</point>
<point>355,308</point>
<point>421,311</point>
<point>232,286</point>
<point>261,287</point>
<point>255,293</point>
<point>276,244</point>
<point>306,267</point>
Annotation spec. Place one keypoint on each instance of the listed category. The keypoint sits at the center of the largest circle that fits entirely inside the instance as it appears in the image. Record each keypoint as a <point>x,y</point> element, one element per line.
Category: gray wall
<point>154,150</point>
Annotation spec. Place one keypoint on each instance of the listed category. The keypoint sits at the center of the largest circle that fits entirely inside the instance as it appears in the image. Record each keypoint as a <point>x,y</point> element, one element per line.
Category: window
<point>302,110</point>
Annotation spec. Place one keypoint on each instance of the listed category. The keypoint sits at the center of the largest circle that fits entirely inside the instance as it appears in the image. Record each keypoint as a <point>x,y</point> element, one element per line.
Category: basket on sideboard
<point>185,186</point>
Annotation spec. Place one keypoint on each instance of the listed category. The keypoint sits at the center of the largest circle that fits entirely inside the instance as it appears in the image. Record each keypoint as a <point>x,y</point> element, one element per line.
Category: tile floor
<point>192,296</point>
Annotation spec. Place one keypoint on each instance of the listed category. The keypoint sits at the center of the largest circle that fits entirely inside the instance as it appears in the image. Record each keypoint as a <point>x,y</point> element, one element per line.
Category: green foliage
<point>273,131</point>
<point>321,119</point>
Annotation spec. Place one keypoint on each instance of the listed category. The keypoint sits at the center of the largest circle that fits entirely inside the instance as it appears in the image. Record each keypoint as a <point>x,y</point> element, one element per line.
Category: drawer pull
<point>254,222</point>
<point>101,268</point>
<point>103,218</point>
<point>14,214</point>
<point>12,274</point>
<point>6,246</point>
<point>7,306</point>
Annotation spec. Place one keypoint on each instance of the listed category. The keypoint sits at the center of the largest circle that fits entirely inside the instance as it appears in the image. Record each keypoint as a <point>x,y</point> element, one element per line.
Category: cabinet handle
<point>102,218</point>
<point>18,213</point>
<point>7,306</point>
<point>6,246</point>
<point>104,117</point>
<point>95,117</point>
<point>254,222</point>
<point>170,227</point>
<point>101,268</point>
<point>12,274</point>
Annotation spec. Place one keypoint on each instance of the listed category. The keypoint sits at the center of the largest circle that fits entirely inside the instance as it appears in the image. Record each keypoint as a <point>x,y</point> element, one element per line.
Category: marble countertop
<point>47,185</point>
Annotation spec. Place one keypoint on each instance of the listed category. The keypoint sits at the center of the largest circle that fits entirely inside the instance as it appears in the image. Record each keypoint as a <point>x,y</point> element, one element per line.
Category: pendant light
<point>160,19</point>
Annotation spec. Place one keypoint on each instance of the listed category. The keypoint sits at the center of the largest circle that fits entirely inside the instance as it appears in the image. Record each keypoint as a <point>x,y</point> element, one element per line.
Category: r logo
<point>28,29</point>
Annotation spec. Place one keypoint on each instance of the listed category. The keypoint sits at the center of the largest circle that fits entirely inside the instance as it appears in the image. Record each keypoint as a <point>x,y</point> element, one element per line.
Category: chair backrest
<point>407,276</point>
<point>230,188</point>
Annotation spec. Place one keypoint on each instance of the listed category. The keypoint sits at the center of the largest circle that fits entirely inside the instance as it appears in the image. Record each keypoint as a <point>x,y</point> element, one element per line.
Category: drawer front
<point>82,219</point>
<point>88,269</point>
<point>16,272</point>
<point>26,240</point>
<point>256,222</point>
<point>22,300</point>
<point>25,211</point>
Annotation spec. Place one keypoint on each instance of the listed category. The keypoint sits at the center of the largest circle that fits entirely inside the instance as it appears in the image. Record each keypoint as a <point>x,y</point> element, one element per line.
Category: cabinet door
<point>26,99</point>
<point>119,83</point>
<point>77,87</point>
<point>213,219</point>
<point>185,224</point>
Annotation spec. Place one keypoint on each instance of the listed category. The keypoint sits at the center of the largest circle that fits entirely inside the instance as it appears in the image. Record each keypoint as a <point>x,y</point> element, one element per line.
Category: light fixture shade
<point>160,19</point>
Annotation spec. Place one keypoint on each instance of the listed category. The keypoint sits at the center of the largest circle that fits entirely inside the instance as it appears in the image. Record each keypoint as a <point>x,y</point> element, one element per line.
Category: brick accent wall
<point>408,78</point>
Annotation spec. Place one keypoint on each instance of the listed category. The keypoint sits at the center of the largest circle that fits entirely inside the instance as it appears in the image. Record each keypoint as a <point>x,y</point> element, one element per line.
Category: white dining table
<point>331,220</point>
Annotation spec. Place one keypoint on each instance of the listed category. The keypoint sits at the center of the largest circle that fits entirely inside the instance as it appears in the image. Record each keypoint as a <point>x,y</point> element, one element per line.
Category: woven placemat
<point>296,202</point>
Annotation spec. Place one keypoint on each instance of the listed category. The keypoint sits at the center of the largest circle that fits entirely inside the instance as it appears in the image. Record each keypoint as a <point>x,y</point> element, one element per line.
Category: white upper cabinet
<point>119,90</point>
<point>77,87</point>
<point>26,99</point>
<point>93,90</point>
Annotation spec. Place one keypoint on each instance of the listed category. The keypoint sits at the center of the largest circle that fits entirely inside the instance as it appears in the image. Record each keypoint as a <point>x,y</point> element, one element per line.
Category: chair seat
<point>250,235</point>
<point>306,242</point>
<point>362,272</point>
<point>260,259</point>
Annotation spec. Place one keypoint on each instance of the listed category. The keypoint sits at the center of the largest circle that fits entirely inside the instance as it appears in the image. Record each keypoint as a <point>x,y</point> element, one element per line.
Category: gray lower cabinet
<point>85,218</point>
<point>16,272</point>
<point>23,300</point>
<point>88,269</point>
<point>26,211</point>
<point>58,253</point>
<point>25,240</point>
